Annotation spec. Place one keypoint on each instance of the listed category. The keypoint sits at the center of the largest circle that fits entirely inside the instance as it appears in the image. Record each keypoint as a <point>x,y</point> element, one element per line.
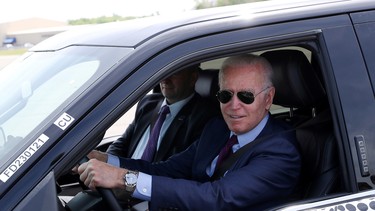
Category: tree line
<point>200,4</point>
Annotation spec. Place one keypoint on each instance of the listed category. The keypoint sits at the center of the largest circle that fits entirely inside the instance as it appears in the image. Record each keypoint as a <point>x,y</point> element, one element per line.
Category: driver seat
<point>299,89</point>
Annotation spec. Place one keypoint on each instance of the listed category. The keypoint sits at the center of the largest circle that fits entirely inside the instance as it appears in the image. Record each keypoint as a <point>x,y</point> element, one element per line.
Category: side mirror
<point>2,137</point>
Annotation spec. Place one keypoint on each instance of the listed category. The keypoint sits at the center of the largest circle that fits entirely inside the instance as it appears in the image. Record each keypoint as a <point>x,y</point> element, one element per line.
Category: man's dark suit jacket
<point>261,178</point>
<point>183,131</point>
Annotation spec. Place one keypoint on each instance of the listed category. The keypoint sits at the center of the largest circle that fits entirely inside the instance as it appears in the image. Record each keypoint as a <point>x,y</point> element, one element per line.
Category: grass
<point>12,52</point>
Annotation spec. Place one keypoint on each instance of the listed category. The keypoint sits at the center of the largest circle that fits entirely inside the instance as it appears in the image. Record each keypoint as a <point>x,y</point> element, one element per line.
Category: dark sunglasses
<point>224,96</point>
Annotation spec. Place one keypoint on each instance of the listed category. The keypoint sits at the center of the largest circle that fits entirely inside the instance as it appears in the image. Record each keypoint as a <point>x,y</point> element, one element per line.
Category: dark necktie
<point>150,149</point>
<point>226,150</point>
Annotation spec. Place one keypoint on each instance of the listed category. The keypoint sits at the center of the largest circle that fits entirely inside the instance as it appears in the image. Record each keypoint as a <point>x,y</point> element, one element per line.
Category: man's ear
<point>269,97</point>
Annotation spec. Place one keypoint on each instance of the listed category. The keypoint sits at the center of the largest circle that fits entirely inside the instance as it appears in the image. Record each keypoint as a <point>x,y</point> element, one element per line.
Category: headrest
<point>295,81</point>
<point>207,83</point>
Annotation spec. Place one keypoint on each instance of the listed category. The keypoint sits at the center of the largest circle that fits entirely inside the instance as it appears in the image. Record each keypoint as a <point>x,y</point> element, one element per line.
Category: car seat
<point>299,88</point>
<point>207,85</point>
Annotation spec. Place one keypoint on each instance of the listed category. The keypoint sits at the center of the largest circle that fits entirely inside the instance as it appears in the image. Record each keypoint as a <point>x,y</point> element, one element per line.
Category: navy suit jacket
<point>261,178</point>
<point>185,128</point>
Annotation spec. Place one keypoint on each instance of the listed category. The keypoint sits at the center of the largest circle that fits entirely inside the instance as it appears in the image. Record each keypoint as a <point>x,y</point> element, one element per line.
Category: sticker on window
<point>64,121</point>
<point>25,155</point>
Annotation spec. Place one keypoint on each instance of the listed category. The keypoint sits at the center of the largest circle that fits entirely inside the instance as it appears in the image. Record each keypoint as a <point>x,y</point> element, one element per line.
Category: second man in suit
<point>188,113</point>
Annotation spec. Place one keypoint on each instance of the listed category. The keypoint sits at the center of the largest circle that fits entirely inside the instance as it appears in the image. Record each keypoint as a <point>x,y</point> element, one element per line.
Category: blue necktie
<point>226,150</point>
<point>150,149</point>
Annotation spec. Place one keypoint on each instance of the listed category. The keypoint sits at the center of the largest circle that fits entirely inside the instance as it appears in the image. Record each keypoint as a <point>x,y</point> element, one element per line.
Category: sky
<point>64,10</point>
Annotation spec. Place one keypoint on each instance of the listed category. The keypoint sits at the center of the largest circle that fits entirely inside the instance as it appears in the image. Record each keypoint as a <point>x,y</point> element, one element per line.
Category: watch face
<point>131,178</point>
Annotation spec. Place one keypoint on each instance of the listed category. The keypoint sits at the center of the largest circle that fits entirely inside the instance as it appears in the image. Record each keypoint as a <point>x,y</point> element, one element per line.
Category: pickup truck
<point>9,41</point>
<point>59,100</point>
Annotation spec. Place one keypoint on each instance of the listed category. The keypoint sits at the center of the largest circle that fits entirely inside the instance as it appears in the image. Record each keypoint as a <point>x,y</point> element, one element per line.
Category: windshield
<point>43,83</point>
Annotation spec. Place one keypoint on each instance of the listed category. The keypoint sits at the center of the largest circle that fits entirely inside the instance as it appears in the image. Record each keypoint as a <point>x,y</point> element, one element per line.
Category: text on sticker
<point>25,155</point>
<point>64,121</point>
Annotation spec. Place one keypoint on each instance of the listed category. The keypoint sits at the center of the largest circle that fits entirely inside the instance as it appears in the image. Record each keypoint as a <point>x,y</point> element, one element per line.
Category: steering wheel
<point>106,193</point>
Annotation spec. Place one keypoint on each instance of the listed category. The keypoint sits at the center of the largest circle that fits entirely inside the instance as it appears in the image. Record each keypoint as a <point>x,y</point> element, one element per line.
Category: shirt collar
<point>177,106</point>
<point>250,136</point>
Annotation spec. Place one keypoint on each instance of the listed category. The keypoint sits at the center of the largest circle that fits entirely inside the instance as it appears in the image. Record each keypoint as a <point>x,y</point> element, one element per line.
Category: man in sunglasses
<point>261,177</point>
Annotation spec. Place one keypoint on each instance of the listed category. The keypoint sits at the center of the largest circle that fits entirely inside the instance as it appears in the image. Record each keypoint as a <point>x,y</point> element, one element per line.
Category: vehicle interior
<point>300,89</point>
<point>300,100</point>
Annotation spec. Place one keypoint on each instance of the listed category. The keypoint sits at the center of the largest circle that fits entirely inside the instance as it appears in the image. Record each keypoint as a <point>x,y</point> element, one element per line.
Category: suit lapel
<point>143,123</point>
<point>268,129</point>
<point>170,134</point>
<point>212,141</point>
<point>267,132</point>
<point>169,137</point>
<point>220,139</point>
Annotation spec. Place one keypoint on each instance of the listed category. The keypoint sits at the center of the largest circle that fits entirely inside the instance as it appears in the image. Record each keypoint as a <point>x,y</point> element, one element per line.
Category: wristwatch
<point>130,181</point>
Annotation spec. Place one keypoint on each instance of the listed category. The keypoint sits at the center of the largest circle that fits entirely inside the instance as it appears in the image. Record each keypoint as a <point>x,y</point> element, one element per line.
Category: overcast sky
<point>64,10</point>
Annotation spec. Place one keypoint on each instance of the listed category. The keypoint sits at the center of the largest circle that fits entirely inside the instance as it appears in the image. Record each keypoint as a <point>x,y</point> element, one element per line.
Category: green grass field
<point>11,52</point>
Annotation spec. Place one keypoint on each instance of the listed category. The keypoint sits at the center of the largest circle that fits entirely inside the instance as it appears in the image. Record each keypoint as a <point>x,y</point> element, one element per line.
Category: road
<point>4,60</point>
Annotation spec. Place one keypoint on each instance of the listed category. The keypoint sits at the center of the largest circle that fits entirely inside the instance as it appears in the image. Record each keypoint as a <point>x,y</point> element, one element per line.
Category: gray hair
<point>245,60</point>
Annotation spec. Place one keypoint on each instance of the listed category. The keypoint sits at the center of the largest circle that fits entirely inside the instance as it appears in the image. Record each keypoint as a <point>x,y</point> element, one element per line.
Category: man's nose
<point>234,102</point>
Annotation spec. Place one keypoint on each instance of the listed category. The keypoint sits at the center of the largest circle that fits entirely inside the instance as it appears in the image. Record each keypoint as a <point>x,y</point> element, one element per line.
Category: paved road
<point>4,60</point>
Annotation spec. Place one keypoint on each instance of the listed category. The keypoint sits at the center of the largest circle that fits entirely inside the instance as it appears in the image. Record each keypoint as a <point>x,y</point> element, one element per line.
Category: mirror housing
<point>2,137</point>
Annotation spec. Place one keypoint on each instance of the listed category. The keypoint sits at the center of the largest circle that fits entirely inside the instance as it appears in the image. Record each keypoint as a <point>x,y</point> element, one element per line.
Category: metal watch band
<point>130,185</point>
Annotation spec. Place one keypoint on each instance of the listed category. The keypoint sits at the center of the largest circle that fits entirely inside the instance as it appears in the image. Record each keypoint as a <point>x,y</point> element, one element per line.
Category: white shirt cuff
<point>113,160</point>
<point>143,188</point>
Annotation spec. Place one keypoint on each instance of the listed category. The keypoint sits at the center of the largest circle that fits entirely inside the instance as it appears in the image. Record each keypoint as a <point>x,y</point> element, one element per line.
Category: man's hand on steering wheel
<point>90,172</point>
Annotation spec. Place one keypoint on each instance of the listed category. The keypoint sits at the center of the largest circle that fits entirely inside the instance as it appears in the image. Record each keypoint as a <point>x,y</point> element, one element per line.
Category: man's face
<point>241,117</point>
<point>178,86</point>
